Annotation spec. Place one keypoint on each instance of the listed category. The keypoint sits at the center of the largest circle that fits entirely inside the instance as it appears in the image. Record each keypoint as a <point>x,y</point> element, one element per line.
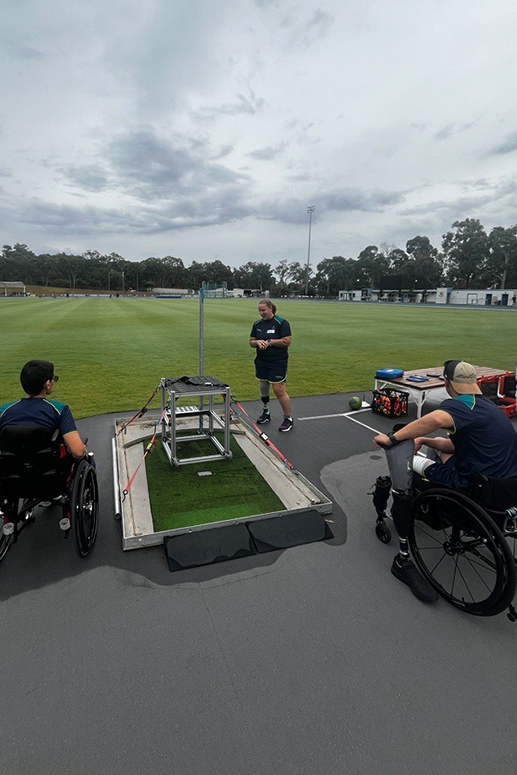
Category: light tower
<point>310,210</point>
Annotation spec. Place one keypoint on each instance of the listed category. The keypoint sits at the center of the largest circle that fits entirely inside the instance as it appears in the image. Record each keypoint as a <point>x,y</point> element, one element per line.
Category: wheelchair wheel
<point>462,552</point>
<point>84,508</point>
<point>5,543</point>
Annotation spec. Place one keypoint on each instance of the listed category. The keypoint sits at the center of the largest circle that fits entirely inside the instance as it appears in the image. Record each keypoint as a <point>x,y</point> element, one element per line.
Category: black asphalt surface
<point>311,660</point>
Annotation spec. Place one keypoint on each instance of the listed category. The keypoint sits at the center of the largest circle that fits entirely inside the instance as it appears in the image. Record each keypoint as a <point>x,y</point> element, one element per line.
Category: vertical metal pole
<point>227,419</point>
<point>164,418</point>
<point>174,451</point>
<point>201,330</point>
<point>201,346</point>
<point>310,210</point>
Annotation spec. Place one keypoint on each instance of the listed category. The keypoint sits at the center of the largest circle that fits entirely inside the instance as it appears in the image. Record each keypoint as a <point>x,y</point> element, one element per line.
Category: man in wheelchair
<point>42,457</point>
<point>38,379</point>
<point>481,449</point>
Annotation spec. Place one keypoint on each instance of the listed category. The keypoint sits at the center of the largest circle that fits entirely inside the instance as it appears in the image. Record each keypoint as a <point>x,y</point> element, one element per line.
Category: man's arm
<point>75,444</point>
<point>438,443</point>
<point>421,427</point>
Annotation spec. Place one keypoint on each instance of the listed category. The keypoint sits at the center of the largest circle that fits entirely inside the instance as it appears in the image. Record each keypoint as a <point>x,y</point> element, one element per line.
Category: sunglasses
<point>55,378</point>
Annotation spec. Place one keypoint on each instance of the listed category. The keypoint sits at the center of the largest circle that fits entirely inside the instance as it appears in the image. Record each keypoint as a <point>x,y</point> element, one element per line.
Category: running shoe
<point>405,571</point>
<point>287,424</point>
<point>264,417</point>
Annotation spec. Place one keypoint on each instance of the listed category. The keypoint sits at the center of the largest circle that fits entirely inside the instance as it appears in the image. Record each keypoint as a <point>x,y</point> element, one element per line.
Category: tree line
<point>469,257</point>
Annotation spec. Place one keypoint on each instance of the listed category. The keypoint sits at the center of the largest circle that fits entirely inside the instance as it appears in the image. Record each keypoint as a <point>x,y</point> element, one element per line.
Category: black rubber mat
<point>208,546</point>
<point>289,530</point>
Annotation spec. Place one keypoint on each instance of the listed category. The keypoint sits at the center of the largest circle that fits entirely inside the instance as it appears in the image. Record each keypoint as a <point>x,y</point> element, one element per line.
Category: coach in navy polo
<point>271,337</point>
<point>38,379</point>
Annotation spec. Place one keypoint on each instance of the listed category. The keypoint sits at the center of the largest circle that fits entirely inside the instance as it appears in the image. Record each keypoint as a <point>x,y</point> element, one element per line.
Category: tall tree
<point>428,264</point>
<point>466,251</point>
<point>503,254</point>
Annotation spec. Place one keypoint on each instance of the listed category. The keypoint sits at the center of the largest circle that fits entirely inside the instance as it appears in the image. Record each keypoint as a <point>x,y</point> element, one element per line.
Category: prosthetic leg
<point>400,466</point>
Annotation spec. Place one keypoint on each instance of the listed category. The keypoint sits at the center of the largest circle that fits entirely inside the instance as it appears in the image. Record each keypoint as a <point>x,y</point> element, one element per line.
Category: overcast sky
<point>204,128</point>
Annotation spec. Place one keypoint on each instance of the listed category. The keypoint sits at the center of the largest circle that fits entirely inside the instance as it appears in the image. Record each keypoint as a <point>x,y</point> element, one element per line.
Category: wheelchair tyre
<point>84,508</point>
<point>383,533</point>
<point>5,544</point>
<point>465,557</point>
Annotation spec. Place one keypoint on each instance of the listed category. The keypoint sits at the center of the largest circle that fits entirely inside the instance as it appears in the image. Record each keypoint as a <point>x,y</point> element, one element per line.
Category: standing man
<point>271,337</point>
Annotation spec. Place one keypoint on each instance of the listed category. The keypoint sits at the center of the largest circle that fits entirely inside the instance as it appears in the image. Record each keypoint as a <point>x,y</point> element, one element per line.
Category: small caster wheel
<point>383,533</point>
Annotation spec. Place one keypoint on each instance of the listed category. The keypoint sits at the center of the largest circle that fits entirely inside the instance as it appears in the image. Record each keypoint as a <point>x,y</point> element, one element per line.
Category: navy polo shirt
<point>43,412</point>
<point>484,441</point>
<point>276,328</point>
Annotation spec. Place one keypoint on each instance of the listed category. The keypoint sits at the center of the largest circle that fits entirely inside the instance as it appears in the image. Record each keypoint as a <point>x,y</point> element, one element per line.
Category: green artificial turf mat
<point>181,498</point>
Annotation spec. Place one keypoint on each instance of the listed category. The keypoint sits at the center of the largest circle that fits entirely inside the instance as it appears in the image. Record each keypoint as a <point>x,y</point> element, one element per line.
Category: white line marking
<point>340,414</point>
<point>362,423</point>
<point>320,417</point>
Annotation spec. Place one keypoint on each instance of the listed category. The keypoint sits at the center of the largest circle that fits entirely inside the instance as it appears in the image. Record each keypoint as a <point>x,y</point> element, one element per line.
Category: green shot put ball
<point>354,403</point>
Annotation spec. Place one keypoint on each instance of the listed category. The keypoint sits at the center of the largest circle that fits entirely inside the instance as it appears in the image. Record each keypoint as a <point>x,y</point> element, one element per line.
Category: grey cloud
<point>269,153</point>
<point>90,177</point>
<point>452,129</point>
<point>305,33</point>
<point>250,104</point>
<point>225,151</point>
<point>463,205</point>
<point>26,52</point>
<point>508,145</point>
<point>294,210</point>
<point>149,167</point>
<point>5,173</point>
<point>83,220</point>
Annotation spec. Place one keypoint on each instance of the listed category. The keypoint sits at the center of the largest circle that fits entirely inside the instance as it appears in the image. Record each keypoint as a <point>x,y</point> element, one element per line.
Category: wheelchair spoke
<point>437,564</point>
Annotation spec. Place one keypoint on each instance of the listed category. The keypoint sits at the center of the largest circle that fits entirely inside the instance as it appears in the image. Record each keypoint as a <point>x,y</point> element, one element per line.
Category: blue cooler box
<point>389,373</point>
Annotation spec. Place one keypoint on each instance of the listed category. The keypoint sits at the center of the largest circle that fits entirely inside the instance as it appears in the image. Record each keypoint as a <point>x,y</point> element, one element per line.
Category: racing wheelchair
<point>36,468</point>
<point>464,544</point>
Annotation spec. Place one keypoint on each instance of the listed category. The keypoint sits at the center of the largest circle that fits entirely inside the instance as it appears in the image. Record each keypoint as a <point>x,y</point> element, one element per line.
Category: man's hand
<point>262,344</point>
<point>419,442</point>
<point>382,441</point>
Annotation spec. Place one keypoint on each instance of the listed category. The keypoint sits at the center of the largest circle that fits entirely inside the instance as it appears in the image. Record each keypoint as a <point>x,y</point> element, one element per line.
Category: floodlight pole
<point>123,285</point>
<point>310,210</point>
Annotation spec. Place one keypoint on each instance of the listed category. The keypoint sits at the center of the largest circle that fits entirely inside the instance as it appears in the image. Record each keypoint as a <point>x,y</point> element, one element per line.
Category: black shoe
<point>287,424</point>
<point>264,417</point>
<point>405,571</point>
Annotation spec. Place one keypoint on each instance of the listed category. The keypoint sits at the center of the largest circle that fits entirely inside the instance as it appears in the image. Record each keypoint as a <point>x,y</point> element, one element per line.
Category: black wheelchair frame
<point>35,467</point>
<point>465,549</point>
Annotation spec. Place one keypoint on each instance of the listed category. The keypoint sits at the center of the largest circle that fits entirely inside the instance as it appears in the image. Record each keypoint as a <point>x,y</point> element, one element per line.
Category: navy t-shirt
<point>43,412</point>
<point>485,442</point>
<point>276,328</point>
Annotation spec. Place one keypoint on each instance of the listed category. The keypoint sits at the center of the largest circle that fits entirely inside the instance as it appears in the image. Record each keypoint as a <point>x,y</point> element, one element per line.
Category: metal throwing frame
<point>205,387</point>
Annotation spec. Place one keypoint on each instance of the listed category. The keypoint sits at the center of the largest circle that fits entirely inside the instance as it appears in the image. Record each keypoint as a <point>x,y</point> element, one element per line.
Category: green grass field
<point>111,353</point>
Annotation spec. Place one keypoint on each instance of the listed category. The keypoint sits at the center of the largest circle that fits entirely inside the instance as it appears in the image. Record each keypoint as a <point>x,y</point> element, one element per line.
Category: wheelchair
<point>34,468</point>
<point>464,544</point>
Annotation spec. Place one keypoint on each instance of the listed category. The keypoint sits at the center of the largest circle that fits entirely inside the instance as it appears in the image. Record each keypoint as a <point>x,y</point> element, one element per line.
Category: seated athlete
<point>38,379</point>
<point>481,440</point>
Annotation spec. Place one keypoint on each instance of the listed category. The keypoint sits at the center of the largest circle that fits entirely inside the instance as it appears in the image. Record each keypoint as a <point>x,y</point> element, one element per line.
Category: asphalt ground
<point>309,660</point>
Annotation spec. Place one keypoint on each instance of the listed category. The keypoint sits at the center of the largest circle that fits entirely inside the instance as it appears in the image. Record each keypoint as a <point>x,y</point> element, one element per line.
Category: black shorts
<point>272,372</point>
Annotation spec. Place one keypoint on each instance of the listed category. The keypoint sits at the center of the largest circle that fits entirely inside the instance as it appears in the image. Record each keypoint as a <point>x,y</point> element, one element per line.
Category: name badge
<point>270,331</point>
